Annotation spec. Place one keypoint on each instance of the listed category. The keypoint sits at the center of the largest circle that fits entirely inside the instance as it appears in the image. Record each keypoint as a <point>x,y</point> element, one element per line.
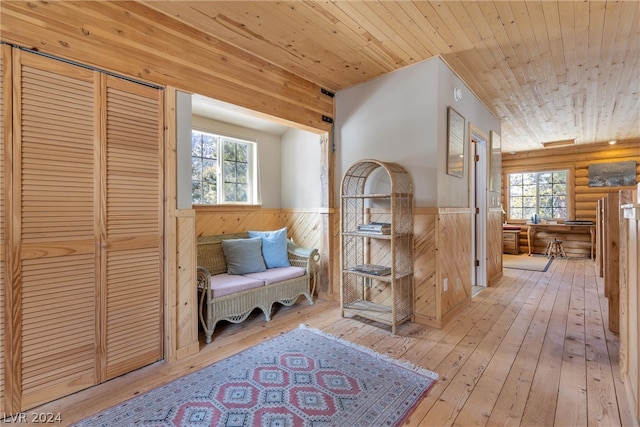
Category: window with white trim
<point>222,170</point>
<point>544,193</point>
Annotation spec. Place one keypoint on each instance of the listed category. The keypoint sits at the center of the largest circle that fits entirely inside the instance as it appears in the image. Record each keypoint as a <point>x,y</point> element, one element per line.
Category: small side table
<point>511,240</point>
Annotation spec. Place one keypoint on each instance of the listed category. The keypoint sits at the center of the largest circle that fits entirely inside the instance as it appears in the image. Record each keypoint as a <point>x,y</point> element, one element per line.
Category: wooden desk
<point>560,228</point>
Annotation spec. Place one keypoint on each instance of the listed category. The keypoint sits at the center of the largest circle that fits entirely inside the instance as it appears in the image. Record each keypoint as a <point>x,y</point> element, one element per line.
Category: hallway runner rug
<point>300,378</point>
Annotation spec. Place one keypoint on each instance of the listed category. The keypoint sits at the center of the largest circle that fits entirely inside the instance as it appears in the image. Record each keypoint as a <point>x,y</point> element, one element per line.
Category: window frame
<point>252,169</point>
<point>548,168</point>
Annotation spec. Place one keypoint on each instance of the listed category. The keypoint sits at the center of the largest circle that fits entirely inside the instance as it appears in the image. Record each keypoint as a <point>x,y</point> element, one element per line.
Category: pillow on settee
<point>274,247</point>
<point>243,255</point>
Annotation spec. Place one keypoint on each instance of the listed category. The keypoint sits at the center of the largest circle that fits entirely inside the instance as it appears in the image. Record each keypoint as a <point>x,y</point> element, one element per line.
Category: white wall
<point>454,191</point>
<point>289,166</point>
<point>183,150</point>
<point>392,118</point>
<point>268,155</point>
<point>402,117</point>
<point>300,158</point>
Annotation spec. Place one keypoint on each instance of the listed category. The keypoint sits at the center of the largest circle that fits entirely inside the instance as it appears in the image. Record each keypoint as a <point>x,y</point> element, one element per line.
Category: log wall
<point>583,199</point>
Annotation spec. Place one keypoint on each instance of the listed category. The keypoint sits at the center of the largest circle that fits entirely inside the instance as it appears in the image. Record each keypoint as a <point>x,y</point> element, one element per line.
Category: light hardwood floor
<point>533,350</point>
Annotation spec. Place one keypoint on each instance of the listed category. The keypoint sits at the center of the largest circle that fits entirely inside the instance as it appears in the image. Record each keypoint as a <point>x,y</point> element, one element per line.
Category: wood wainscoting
<point>494,245</point>
<point>304,226</point>
<point>182,301</point>
<point>442,251</point>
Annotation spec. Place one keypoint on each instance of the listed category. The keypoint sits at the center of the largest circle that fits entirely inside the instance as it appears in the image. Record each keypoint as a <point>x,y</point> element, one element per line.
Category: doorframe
<point>478,200</point>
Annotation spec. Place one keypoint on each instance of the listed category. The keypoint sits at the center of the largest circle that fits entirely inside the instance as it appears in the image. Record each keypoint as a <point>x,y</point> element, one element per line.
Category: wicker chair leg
<point>267,312</point>
<point>309,298</point>
<point>208,332</point>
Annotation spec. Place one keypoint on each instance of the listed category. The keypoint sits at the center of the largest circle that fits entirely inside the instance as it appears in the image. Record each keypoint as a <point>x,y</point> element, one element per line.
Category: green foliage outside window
<point>219,160</point>
<point>236,172</point>
<point>542,193</point>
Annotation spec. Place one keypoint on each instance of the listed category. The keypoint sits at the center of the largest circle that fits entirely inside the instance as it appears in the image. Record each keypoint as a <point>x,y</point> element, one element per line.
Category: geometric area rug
<point>304,377</point>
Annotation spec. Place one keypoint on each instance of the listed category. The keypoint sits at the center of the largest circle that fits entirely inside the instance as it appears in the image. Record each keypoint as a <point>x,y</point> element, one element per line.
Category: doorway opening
<point>479,194</point>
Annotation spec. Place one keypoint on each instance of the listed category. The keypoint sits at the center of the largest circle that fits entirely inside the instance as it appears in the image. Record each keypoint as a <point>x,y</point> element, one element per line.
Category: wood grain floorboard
<point>534,350</point>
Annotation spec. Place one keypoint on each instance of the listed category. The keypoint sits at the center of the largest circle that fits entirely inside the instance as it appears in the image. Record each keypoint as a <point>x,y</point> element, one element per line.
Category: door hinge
<point>477,211</point>
<point>477,263</point>
<point>477,158</point>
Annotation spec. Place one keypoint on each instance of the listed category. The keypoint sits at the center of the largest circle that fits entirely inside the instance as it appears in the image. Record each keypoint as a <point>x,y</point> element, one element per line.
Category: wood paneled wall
<point>427,290</point>
<point>583,199</point>
<point>335,261</point>
<point>630,297</point>
<point>442,250</point>
<point>611,252</point>
<point>494,245</point>
<point>303,226</point>
<point>181,313</point>
<point>115,37</point>
<point>453,244</point>
<point>134,40</point>
<point>185,304</point>
<point>5,135</point>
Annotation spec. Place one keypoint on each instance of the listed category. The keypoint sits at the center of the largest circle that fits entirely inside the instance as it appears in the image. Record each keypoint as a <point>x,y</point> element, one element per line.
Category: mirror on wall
<point>455,143</point>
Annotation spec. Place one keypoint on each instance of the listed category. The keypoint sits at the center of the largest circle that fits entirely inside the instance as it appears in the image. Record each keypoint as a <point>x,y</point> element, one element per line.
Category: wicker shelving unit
<point>386,298</point>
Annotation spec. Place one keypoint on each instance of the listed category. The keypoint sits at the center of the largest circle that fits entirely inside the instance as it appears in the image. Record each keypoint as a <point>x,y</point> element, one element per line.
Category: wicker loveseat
<point>233,297</point>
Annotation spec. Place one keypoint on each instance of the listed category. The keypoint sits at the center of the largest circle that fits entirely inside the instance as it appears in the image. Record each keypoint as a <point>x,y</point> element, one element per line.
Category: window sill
<point>225,208</point>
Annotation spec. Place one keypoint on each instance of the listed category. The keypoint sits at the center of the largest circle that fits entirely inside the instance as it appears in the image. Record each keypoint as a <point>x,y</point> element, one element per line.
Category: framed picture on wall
<point>455,143</point>
<point>495,165</point>
<point>615,174</point>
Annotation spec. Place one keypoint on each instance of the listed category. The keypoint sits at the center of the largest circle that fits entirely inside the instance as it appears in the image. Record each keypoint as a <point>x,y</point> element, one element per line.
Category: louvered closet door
<point>132,262</point>
<point>54,227</point>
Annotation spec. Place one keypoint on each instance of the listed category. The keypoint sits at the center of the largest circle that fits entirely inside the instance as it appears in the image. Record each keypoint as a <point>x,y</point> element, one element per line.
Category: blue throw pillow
<point>274,247</point>
<point>243,255</point>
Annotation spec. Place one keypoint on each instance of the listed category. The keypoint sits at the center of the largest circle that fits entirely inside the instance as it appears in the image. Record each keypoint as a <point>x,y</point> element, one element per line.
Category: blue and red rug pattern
<point>301,378</point>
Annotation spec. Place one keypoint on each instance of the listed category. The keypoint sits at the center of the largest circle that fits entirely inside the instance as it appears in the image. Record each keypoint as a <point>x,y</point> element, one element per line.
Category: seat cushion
<point>225,284</point>
<point>274,275</point>
<point>511,227</point>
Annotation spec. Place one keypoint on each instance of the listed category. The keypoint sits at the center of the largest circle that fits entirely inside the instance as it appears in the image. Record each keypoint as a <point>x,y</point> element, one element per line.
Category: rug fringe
<point>403,363</point>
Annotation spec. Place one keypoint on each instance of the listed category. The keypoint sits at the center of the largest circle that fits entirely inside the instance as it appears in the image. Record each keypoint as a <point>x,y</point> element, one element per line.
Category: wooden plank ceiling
<point>549,70</point>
